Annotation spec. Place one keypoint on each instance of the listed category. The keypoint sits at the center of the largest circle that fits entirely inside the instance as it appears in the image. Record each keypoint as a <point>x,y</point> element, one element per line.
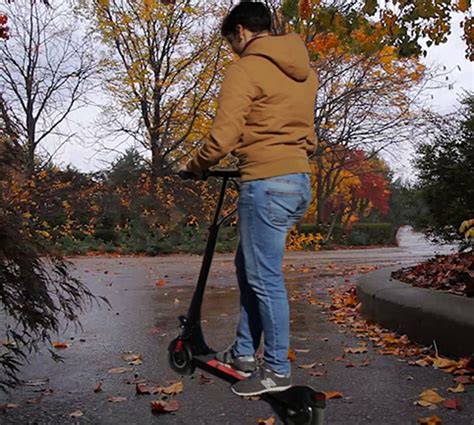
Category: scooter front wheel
<point>180,357</point>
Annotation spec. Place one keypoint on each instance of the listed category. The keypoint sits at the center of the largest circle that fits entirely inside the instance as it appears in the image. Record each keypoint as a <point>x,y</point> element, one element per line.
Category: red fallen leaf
<point>160,282</point>
<point>98,388</point>
<point>340,359</point>
<point>465,380</point>
<point>161,406</point>
<point>143,388</point>
<point>58,344</point>
<point>117,399</point>
<point>203,380</point>
<point>453,403</point>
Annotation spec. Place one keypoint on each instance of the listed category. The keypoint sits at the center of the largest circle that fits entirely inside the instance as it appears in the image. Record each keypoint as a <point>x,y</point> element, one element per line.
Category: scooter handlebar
<point>223,173</point>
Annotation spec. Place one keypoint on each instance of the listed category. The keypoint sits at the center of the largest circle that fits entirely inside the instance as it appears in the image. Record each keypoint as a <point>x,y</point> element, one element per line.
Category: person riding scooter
<point>265,117</point>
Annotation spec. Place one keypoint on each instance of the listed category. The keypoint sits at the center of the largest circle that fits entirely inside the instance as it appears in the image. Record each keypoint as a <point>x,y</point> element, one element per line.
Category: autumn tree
<point>161,64</point>
<point>38,294</point>
<point>445,173</point>
<point>47,65</point>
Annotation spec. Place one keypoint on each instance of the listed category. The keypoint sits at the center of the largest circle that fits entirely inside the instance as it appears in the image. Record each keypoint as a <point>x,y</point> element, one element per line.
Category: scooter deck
<point>282,402</point>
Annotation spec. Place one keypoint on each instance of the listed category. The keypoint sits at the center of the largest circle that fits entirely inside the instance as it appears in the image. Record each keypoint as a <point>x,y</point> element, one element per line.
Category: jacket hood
<point>288,52</point>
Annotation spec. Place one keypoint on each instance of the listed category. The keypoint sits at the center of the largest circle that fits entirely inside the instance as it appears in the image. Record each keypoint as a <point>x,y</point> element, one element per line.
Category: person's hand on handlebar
<point>185,174</point>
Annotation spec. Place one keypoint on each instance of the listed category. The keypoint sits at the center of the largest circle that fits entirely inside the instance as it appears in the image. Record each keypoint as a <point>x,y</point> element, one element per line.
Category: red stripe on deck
<point>229,371</point>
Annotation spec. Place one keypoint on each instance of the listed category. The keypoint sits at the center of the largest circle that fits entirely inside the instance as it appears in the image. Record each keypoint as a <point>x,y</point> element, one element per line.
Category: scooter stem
<point>194,311</point>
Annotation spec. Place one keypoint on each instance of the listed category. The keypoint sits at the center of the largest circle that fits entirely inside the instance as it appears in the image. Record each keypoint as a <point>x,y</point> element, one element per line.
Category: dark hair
<point>252,16</point>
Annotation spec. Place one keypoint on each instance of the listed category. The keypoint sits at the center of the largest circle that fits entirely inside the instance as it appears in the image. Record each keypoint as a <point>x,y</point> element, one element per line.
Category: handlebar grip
<point>185,175</point>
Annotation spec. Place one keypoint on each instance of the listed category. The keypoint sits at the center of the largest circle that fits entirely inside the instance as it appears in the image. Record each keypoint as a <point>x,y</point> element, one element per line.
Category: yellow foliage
<point>298,241</point>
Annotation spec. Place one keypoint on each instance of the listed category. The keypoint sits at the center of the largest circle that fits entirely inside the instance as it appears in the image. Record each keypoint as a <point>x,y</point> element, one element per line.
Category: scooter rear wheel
<point>311,416</point>
<point>180,357</point>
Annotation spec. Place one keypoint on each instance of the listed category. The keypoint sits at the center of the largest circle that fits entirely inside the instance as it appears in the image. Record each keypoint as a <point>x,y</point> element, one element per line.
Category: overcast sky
<point>84,156</point>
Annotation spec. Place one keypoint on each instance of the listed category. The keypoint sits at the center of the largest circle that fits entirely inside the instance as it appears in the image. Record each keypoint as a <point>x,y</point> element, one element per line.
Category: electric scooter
<point>298,405</point>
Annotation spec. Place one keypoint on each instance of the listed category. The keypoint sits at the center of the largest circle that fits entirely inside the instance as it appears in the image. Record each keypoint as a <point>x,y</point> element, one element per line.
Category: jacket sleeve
<point>234,103</point>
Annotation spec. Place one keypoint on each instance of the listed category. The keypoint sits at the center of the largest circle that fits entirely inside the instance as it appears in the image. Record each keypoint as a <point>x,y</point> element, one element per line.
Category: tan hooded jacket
<point>265,114</point>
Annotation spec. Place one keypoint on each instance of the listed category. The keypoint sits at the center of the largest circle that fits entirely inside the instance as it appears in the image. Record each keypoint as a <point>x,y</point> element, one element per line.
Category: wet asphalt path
<point>143,321</point>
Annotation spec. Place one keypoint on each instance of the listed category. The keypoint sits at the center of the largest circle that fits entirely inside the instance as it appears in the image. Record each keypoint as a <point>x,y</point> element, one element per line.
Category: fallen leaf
<point>203,380</point>
<point>131,357</point>
<point>332,394</point>
<point>308,366</point>
<point>76,414</point>
<point>8,406</point>
<point>291,355</point>
<point>160,282</point>
<point>143,388</point>
<point>466,380</point>
<point>361,364</point>
<point>458,389</point>
<point>453,404</point>
<point>176,301</point>
<point>98,388</point>
<point>270,421</point>
<point>356,350</point>
<point>302,350</point>
<point>59,345</point>
<point>429,397</point>
<point>317,374</point>
<point>161,406</point>
<point>117,399</point>
<point>432,420</point>
<point>174,388</point>
<point>120,369</point>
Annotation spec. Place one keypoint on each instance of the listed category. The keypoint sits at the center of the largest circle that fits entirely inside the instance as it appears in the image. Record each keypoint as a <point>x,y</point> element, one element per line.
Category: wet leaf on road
<point>291,355</point>
<point>59,344</point>
<point>458,389</point>
<point>317,373</point>
<point>174,388</point>
<point>308,366</point>
<point>302,350</point>
<point>120,369</point>
<point>431,420</point>
<point>203,379</point>
<point>453,404</point>
<point>76,414</point>
<point>356,350</point>
<point>270,421</point>
<point>98,388</point>
<point>143,388</point>
<point>332,394</point>
<point>428,398</point>
<point>117,399</point>
<point>365,363</point>
<point>161,406</point>
<point>160,282</point>
<point>5,406</point>
<point>466,380</point>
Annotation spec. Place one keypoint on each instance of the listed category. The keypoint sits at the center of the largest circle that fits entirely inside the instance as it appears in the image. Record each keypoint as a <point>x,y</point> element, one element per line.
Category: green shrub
<point>364,234</point>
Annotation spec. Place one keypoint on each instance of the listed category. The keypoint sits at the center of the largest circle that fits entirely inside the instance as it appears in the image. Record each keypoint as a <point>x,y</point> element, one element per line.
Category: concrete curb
<point>424,315</point>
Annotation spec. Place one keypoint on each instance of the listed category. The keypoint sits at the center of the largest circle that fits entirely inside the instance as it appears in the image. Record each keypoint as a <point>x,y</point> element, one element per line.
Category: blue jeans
<point>267,209</point>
